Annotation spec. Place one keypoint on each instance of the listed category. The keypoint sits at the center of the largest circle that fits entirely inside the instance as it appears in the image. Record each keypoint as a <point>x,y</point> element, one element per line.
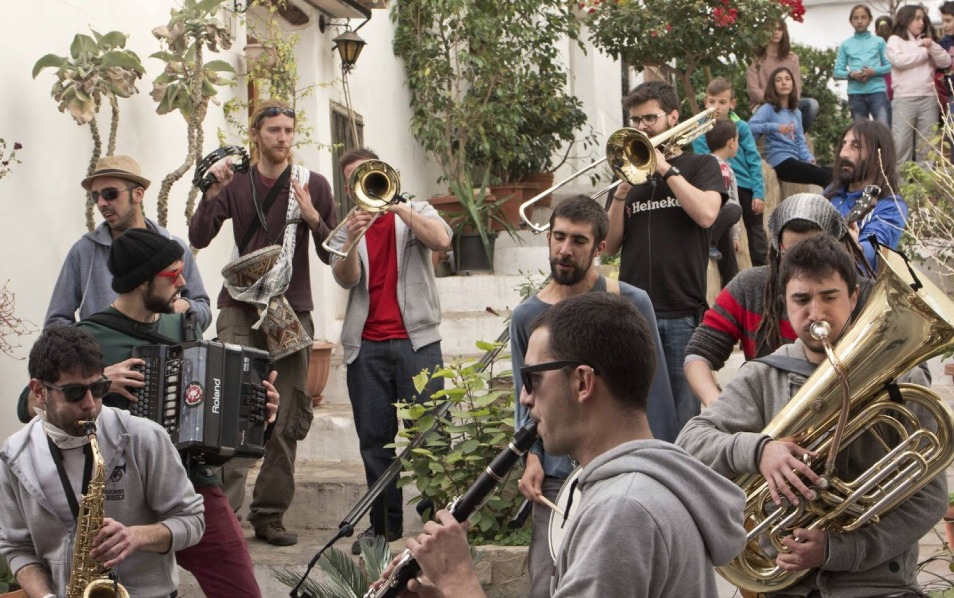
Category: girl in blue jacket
<point>862,61</point>
<point>779,120</point>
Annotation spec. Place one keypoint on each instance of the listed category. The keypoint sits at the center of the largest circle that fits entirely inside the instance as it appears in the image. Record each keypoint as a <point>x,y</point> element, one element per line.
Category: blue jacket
<point>885,222</point>
<point>778,147</point>
<point>747,163</point>
<point>858,51</point>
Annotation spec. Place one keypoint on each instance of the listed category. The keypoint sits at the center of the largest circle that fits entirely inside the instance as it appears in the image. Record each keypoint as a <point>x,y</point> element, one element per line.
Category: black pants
<point>796,171</point>
<point>721,237</point>
<point>754,229</point>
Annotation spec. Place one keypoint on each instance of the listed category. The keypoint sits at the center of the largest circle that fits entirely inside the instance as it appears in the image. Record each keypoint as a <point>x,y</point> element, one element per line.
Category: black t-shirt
<point>665,252</point>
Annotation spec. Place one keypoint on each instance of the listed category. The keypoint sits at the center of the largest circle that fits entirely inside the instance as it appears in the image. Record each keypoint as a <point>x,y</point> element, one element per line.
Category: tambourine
<point>203,180</point>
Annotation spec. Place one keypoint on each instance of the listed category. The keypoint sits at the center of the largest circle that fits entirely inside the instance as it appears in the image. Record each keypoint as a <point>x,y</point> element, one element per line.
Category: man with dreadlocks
<point>750,307</point>
<point>867,157</point>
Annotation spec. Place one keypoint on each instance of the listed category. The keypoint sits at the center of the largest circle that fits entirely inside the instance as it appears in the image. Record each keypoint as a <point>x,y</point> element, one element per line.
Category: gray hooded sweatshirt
<point>86,285</point>
<point>652,521</point>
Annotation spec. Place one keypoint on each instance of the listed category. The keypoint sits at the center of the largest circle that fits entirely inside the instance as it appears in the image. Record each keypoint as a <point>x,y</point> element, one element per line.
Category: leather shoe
<point>276,535</point>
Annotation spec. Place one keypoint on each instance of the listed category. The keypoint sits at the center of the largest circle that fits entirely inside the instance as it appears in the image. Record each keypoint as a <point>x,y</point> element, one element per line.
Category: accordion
<point>207,395</point>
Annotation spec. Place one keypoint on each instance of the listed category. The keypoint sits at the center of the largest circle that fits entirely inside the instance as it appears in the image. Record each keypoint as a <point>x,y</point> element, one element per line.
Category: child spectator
<point>862,61</point>
<point>779,120</point>
<point>723,142</point>
<point>883,26</point>
<point>947,42</point>
<point>777,53</point>
<point>914,58</point>
<point>746,164</point>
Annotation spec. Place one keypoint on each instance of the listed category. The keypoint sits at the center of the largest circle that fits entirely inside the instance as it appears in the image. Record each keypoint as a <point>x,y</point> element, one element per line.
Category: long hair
<point>880,165</point>
<point>784,45</point>
<point>771,95</point>
<point>903,18</point>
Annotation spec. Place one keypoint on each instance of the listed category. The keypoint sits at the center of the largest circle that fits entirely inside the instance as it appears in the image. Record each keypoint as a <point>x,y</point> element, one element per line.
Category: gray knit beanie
<point>811,208</point>
<point>139,254</point>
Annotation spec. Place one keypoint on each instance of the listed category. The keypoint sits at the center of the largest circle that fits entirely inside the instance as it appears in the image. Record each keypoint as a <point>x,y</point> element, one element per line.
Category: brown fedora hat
<point>121,167</point>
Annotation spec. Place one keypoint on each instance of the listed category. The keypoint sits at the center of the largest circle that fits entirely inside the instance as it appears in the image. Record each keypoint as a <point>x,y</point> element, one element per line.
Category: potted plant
<point>319,366</point>
<point>472,221</point>
<point>470,68</point>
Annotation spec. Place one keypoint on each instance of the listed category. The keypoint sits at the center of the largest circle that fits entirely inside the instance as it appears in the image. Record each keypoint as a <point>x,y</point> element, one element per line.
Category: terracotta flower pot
<point>318,368</point>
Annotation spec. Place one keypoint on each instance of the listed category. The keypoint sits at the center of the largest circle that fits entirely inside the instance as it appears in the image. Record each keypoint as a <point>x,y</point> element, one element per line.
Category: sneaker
<point>370,534</point>
<point>276,535</point>
<point>714,254</point>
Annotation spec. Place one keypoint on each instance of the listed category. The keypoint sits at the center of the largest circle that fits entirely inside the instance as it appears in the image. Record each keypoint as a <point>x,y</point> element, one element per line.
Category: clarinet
<point>407,567</point>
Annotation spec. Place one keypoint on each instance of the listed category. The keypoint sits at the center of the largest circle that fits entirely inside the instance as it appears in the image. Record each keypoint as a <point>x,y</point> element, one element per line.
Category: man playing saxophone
<point>820,284</point>
<point>151,509</point>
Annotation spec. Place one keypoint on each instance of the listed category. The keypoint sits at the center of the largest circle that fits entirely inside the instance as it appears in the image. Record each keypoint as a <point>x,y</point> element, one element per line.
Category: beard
<point>846,171</point>
<point>275,155</point>
<point>156,303</point>
<point>575,275</point>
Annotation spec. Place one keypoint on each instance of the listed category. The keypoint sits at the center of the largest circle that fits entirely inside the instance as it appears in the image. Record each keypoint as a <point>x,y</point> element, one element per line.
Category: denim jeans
<point>875,105</point>
<point>675,334</point>
<point>381,375</point>
<point>809,109</point>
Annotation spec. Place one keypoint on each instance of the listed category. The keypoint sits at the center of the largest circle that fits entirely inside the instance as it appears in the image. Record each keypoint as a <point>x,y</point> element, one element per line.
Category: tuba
<point>89,579</point>
<point>905,321</point>
<point>631,154</point>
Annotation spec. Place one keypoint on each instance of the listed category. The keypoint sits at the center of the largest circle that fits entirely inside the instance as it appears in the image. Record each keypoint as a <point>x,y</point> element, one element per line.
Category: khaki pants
<point>275,486</point>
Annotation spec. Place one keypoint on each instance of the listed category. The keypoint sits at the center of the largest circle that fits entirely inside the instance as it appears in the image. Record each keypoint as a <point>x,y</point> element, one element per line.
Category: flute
<point>407,567</point>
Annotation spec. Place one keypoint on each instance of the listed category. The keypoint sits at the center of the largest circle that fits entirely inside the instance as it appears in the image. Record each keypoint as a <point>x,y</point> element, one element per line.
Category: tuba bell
<point>374,185</point>
<point>905,321</point>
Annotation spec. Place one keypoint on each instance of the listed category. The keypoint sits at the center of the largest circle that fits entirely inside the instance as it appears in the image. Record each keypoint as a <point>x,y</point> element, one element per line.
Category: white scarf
<point>59,437</point>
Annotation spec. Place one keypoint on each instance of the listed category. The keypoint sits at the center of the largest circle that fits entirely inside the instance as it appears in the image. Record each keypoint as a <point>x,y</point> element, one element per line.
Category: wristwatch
<point>673,171</point>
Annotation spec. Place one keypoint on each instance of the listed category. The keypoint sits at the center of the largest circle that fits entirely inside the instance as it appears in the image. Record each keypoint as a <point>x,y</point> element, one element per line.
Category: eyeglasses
<point>74,393</point>
<point>273,111</point>
<point>527,372</point>
<point>173,275</point>
<point>110,193</point>
<point>649,119</point>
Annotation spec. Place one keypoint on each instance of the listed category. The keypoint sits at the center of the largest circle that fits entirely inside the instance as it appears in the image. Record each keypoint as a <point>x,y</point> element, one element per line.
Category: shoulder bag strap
<point>269,201</point>
<point>788,364</point>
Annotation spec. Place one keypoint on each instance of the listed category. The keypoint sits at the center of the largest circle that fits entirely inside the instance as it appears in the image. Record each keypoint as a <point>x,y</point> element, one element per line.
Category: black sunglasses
<point>273,111</point>
<point>74,393</point>
<point>527,371</point>
<point>110,193</point>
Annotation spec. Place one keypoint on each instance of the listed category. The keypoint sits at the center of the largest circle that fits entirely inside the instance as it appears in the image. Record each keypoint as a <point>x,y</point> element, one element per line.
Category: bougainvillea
<point>679,36</point>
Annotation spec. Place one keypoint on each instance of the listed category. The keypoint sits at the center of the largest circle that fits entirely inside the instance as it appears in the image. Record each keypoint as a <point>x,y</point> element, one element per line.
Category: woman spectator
<point>914,58</point>
<point>777,53</point>
<point>779,120</point>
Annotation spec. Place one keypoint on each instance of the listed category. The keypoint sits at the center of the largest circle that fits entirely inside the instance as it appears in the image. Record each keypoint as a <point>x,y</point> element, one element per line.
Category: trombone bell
<point>374,185</point>
<point>631,154</point>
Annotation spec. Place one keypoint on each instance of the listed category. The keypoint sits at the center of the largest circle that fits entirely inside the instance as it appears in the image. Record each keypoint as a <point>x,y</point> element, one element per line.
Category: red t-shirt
<point>384,314</point>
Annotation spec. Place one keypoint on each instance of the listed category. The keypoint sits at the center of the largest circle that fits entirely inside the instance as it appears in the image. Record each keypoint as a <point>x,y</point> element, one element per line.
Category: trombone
<point>632,157</point>
<point>374,185</point>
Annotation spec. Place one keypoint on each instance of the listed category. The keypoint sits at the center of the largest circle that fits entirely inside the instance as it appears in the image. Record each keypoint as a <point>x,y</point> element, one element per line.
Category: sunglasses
<point>527,372</point>
<point>273,111</point>
<point>110,193</point>
<point>649,119</point>
<point>74,393</point>
<point>173,275</point>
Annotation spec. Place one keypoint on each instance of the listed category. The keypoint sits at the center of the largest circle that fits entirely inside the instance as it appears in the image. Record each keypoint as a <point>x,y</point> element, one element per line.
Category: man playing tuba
<point>820,284</point>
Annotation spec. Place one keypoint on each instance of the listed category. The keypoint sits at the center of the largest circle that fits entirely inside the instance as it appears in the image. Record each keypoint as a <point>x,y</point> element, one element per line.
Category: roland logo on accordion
<point>231,423</point>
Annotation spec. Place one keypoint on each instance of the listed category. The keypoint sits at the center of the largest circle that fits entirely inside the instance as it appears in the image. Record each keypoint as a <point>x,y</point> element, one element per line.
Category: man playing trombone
<point>390,330</point>
<point>661,226</point>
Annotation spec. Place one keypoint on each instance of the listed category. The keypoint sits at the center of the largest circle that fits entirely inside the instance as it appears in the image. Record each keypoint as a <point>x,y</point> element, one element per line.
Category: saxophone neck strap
<point>65,479</point>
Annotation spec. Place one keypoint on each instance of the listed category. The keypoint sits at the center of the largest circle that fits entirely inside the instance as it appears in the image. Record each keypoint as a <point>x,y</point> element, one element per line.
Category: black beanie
<point>139,254</point>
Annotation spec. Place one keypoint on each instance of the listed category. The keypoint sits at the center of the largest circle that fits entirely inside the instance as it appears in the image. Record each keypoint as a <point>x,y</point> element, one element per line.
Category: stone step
<point>325,492</point>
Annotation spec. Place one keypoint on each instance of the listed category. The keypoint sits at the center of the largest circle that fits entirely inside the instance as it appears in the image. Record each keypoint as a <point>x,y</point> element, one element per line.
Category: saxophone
<point>89,579</point>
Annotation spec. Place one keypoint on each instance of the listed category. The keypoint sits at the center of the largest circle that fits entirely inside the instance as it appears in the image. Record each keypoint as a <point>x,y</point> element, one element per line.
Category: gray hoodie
<point>85,283</point>
<point>652,521</point>
<point>145,484</point>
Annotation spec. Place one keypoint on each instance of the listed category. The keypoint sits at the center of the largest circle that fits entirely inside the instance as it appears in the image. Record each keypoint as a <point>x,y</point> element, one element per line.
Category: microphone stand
<point>347,525</point>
